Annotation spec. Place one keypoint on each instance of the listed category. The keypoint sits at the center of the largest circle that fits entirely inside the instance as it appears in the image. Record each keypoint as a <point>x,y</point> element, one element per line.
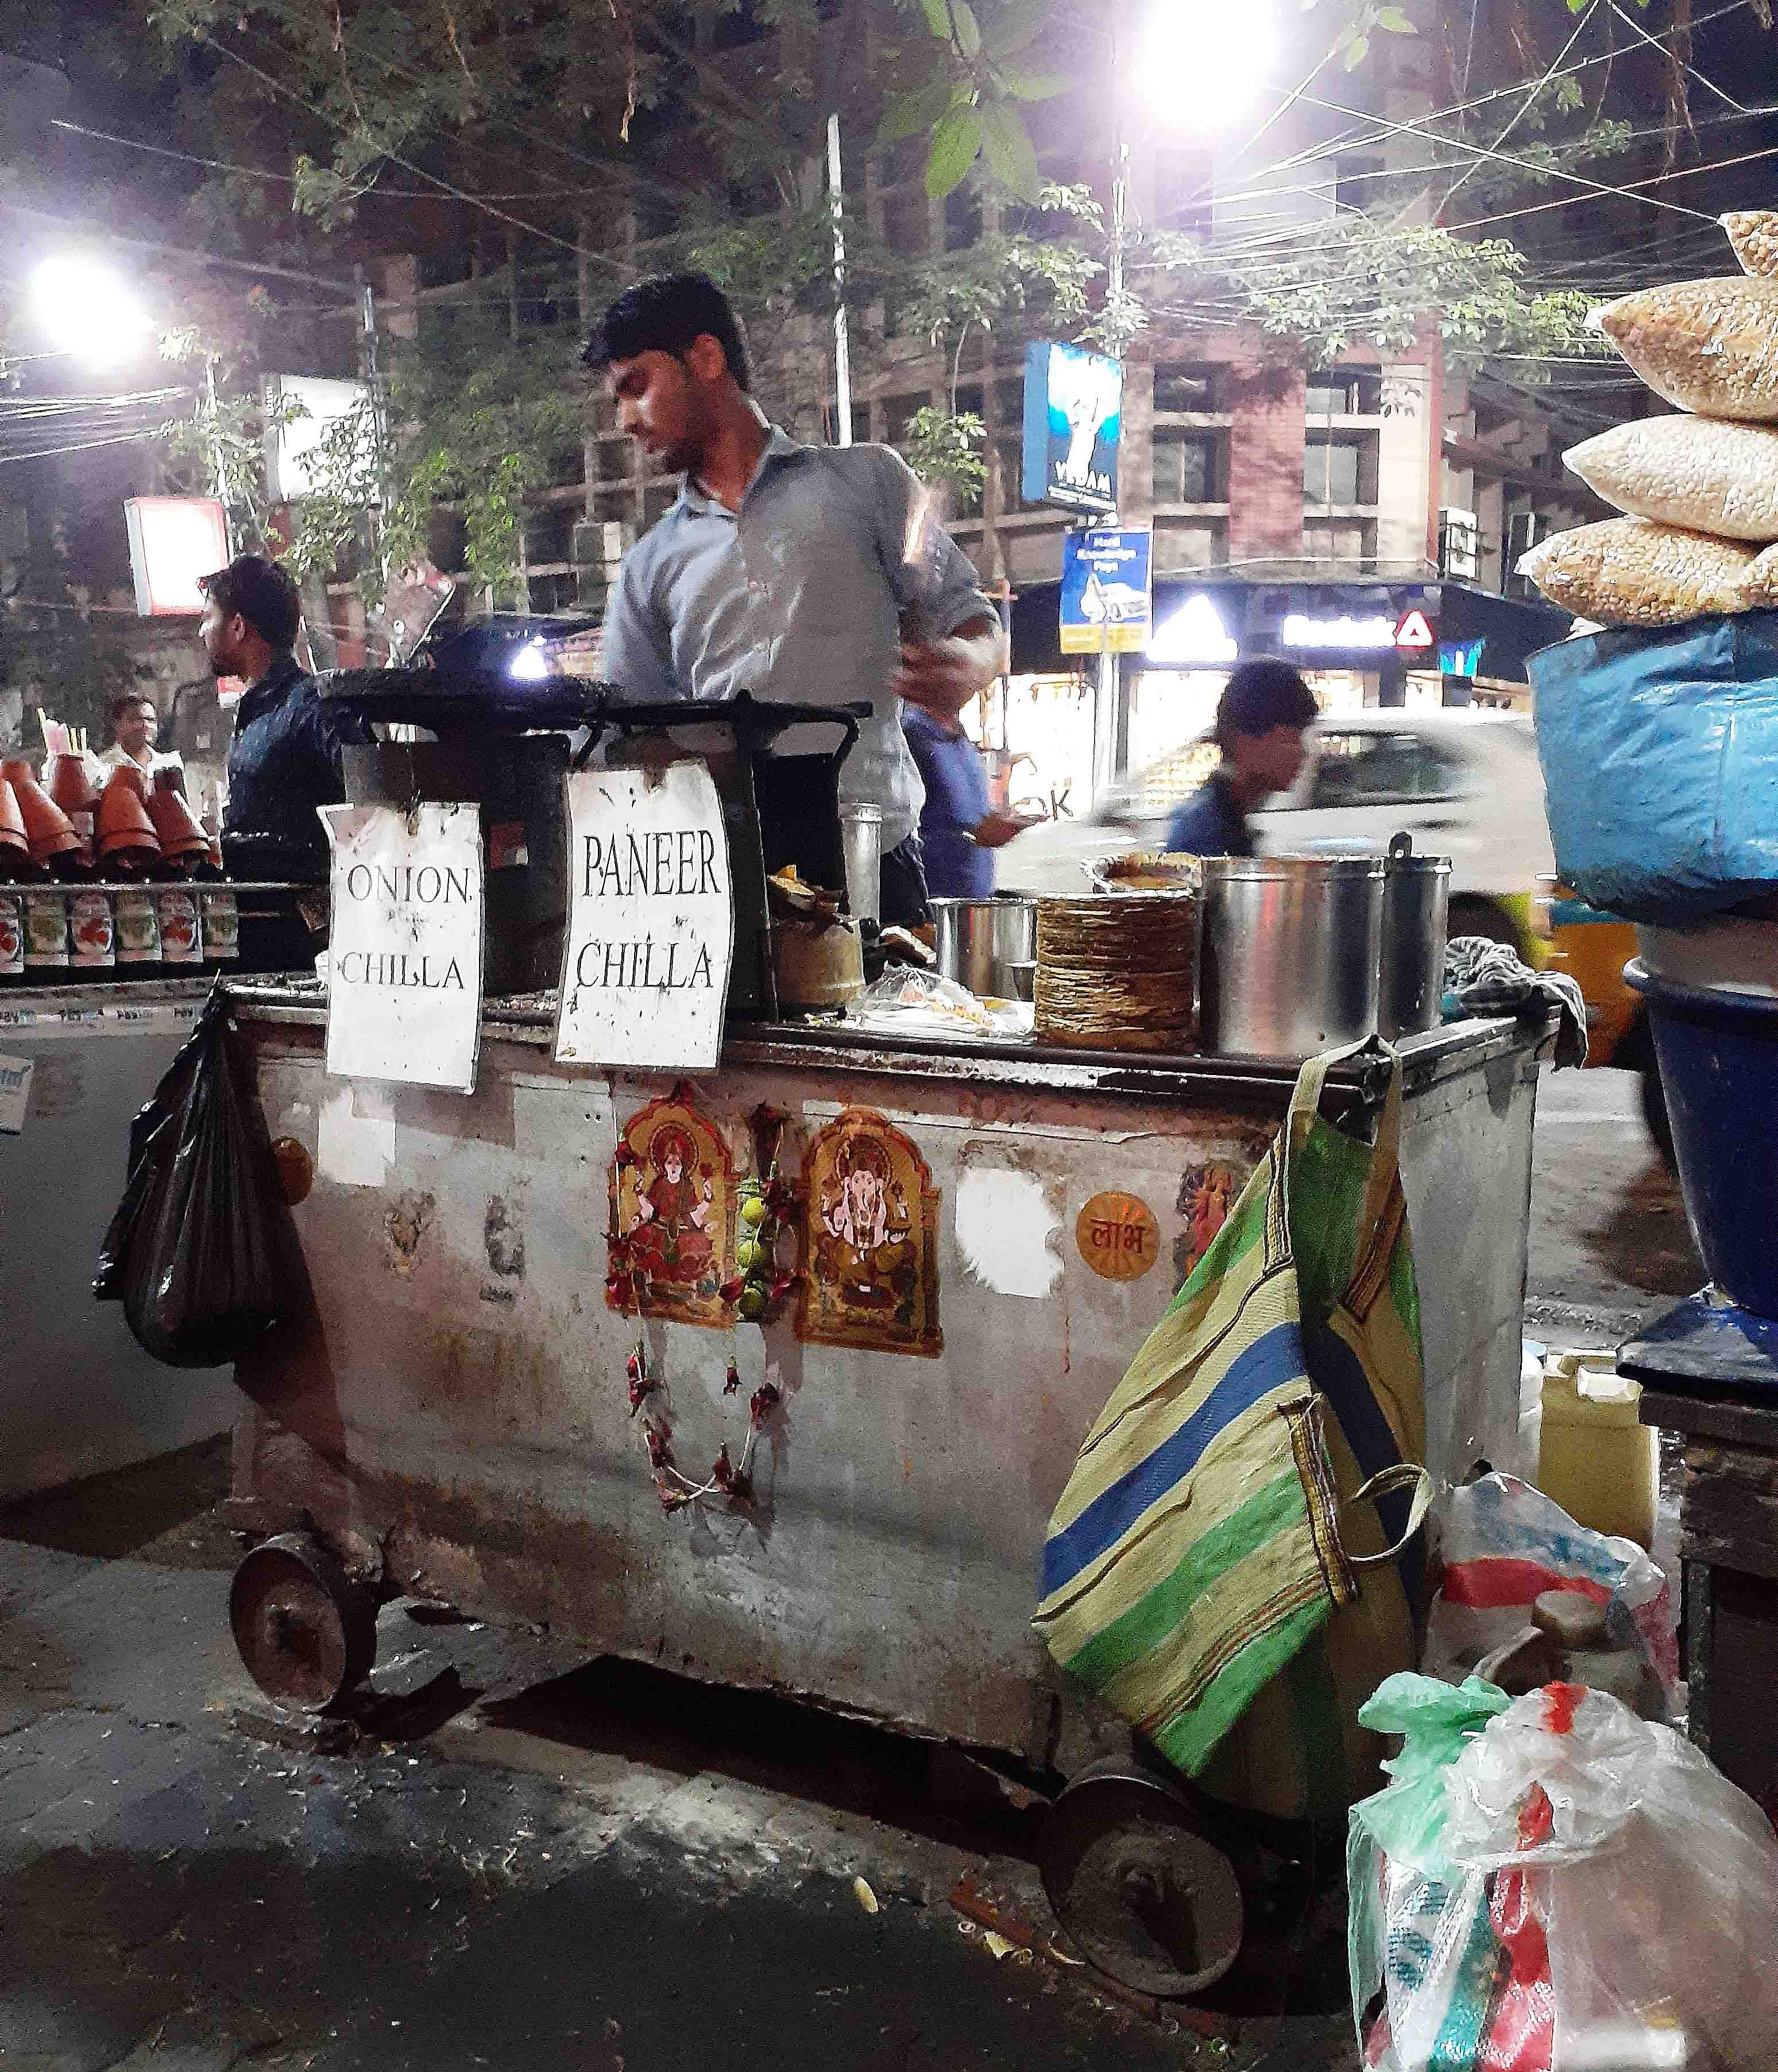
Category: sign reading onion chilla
<point>651,919</point>
<point>404,956</point>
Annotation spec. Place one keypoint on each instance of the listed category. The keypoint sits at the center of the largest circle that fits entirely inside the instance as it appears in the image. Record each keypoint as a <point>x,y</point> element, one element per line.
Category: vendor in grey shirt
<point>797,572</point>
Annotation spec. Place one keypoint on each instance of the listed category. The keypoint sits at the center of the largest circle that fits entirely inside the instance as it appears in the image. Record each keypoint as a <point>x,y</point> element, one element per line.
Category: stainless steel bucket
<point>980,942</point>
<point>1416,899</point>
<point>1289,952</point>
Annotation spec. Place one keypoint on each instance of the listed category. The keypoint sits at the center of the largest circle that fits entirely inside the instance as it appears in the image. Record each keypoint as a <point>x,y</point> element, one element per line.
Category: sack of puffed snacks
<point>1759,585</point>
<point>1754,234</point>
<point>1633,572</point>
<point>1708,345</point>
<point>1702,473</point>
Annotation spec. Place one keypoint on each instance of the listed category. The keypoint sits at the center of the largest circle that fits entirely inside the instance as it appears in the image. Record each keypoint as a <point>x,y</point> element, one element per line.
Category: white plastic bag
<point>1503,1544</point>
<point>1591,1895</point>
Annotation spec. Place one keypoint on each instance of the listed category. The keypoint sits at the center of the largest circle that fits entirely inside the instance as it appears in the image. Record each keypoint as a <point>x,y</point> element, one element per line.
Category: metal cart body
<point>453,1418</point>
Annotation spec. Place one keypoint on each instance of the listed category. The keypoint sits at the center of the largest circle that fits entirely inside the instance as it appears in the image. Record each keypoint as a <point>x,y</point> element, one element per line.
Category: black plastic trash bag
<point>200,1250</point>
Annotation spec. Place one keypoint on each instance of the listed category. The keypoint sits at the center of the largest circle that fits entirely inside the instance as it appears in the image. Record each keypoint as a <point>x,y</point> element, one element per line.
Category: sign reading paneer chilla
<point>404,955</point>
<point>651,919</point>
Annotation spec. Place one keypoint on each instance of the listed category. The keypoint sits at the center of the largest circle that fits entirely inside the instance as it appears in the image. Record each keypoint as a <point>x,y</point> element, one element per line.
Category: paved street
<point>580,1866</point>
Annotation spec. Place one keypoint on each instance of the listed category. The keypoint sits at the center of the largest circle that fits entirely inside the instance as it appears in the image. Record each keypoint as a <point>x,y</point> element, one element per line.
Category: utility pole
<point>1110,728</point>
<point>843,349</point>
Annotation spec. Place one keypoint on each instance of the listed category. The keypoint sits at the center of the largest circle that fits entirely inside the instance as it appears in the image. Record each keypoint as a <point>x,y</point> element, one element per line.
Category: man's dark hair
<point>264,593</point>
<point>1260,695</point>
<point>666,313</point>
<point>127,703</point>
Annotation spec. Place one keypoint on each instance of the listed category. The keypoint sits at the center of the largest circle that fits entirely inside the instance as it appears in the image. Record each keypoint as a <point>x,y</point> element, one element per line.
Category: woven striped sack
<point>1202,1574</point>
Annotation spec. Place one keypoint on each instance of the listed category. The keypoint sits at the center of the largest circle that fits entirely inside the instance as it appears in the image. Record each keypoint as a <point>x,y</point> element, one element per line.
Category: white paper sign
<point>651,919</point>
<point>14,1093</point>
<point>405,957</point>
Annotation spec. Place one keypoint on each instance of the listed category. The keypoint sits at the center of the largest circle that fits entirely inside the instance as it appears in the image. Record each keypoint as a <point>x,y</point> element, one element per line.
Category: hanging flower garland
<point>753,1293</point>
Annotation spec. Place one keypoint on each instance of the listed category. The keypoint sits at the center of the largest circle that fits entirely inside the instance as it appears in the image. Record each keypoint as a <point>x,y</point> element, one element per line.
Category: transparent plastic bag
<point>1597,1897</point>
<point>1502,1545</point>
<point>1708,345</point>
<point>910,1002</point>
<point>1633,572</point>
<point>1753,232</point>
<point>1703,473</point>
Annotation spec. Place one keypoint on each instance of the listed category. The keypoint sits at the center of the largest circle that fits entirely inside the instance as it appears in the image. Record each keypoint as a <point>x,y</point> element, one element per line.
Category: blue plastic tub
<point>1718,1054</point>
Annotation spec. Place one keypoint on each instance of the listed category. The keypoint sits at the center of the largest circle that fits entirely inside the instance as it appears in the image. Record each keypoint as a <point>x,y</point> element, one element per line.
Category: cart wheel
<point>307,1633</point>
<point>1145,1897</point>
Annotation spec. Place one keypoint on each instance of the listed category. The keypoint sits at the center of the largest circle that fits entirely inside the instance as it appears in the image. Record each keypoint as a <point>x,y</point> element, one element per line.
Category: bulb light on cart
<point>530,665</point>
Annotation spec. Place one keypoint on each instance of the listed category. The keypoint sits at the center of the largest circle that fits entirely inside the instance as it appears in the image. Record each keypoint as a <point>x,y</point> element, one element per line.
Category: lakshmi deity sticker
<point>671,1236</point>
<point>1207,1193</point>
<point>871,1242</point>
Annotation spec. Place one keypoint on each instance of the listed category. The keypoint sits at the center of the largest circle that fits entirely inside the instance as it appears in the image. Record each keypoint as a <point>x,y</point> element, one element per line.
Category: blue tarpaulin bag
<point>1660,764</point>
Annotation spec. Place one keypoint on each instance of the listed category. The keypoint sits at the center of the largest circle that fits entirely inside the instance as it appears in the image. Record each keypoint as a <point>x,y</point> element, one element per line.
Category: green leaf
<point>1397,23</point>
<point>1353,55</point>
<point>969,32</point>
<point>1015,24</point>
<point>955,143</point>
<point>908,114</point>
<point>938,19</point>
<point>1011,156</point>
<point>1022,84</point>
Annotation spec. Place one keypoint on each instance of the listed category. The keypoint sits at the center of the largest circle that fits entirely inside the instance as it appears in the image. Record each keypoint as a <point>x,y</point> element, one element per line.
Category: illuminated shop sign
<point>1376,631</point>
<point>173,540</point>
<point>1195,636</point>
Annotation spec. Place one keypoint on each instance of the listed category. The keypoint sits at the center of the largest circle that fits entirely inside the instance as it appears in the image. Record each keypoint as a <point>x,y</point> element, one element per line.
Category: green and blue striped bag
<point>1202,1574</point>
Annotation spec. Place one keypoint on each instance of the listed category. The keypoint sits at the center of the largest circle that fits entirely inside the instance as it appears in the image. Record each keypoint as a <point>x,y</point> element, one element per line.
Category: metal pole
<point>367,308</point>
<point>1110,728</point>
<point>842,351</point>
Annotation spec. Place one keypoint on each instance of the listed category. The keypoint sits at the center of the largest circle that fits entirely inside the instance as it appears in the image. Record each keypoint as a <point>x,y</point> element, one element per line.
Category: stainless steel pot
<point>1416,899</point>
<point>980,942</point>
<point>1288,952</point>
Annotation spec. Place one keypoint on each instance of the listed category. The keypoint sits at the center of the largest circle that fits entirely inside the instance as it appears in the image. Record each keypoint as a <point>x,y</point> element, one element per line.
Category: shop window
<point>1338,470</point>
<point>1381,770</point>
<point>1184,384</point>
<point>1188,466</point>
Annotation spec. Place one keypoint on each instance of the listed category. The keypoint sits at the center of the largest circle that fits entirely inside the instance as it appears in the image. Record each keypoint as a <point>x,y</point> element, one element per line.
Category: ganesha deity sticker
<point>672,1236</point>
<point>870,1240</point>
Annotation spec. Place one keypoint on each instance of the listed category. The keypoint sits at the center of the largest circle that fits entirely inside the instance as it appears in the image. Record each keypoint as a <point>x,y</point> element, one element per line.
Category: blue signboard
<point>1074,418</point>
<point>1108,582</point>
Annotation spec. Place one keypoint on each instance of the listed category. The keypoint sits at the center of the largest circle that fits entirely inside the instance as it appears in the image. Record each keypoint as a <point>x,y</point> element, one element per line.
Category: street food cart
<point>968,1239</point>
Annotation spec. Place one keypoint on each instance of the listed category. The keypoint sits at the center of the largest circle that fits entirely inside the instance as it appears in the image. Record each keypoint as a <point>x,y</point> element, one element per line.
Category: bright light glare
<point>87,310</point>
<point>1201,63</point>
<point>530,665</point>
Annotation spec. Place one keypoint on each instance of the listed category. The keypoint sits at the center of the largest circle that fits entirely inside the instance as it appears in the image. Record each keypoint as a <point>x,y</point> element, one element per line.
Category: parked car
<point>1467,786</point>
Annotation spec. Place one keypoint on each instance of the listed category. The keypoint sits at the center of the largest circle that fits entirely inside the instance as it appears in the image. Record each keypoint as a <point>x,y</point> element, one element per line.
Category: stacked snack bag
<point>1700,490</point>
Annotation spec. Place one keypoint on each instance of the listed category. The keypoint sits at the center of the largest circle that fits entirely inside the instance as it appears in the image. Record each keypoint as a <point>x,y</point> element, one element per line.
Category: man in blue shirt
<point>959,831</point>
<point>1263,712</point>
<point>800,574</point>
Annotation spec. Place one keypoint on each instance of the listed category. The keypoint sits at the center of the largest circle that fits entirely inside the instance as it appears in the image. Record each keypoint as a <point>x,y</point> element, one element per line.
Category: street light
<point>88,310</point>
<point>1202,63</point>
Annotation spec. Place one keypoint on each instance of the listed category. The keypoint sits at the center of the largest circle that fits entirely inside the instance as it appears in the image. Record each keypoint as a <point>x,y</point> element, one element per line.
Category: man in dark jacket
<point>1265,710</point>
<point>284,758</point>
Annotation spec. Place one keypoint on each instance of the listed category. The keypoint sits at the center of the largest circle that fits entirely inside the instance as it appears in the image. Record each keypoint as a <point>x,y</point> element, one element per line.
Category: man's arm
<point>940,676</point>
